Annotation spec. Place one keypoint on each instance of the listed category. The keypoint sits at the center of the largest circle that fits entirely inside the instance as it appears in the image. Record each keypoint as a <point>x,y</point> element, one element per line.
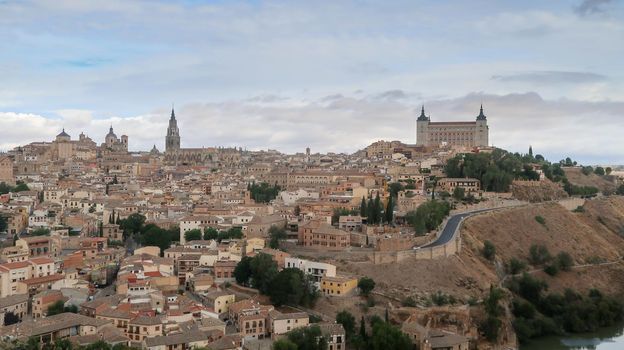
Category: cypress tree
<point>378,209</point>
<point>370,211</point>
<point>363,329</point>
<point>363,208</point>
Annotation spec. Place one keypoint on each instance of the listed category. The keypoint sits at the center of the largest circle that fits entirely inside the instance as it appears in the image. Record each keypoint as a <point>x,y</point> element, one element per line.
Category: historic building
<point>112,143</point>
<point>175,155</point>
<point>468,134</point>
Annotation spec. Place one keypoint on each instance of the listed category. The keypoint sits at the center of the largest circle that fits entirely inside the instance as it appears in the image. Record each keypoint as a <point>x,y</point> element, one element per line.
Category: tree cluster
<point>150,234</point>
<point>374,211</point>
<point>538,313</point>
<point>263,192</point>
<point>213,233</point>
<point>59,308</point>
<point>428,216</point>
<point>289,286</point>
<point>276,235</point>
<point>19,187</point>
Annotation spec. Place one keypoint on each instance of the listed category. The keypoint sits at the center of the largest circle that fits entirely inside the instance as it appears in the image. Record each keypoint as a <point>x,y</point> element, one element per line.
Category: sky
<point>330,75</point>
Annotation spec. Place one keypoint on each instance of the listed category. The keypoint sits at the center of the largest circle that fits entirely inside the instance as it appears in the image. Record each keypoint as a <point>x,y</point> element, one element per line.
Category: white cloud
<point>346,123</point>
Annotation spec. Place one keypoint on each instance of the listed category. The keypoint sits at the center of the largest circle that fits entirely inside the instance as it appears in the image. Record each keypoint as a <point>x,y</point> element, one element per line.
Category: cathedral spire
<point>172,113</point>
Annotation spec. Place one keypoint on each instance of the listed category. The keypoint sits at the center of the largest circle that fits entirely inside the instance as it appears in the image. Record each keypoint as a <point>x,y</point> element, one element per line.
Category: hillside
<point>589,237</point>
<point>576,177</point>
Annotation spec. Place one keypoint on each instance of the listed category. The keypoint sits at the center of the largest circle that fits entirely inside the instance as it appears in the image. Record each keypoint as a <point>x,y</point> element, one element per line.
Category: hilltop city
<point>420,245</point>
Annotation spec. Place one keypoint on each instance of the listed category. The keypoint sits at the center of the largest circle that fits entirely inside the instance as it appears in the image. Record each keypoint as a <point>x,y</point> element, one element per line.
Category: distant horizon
<point>330,76</point>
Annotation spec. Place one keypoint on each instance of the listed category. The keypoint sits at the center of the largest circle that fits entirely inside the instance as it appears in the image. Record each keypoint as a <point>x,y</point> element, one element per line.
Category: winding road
<point>452,227</point>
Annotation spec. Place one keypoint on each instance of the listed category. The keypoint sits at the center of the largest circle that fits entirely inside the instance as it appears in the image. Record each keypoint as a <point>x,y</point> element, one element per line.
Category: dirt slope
<point>576,177</point>
<point>588,236</point>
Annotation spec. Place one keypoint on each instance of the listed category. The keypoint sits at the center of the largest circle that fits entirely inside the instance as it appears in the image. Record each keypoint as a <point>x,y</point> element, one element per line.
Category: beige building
<point>469,185</point>
<point>6,170</point>
<point>16,304</point>
<point>323,236</point>
<point>280,323</point>
<point>219,301</point>
<point>467,134</point>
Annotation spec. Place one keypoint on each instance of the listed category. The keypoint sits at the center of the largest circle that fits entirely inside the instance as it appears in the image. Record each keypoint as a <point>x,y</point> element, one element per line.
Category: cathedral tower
<point>172,141</point>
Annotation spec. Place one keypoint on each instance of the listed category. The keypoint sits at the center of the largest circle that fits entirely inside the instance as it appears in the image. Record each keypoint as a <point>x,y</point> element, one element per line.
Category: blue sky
<point>332,75</point>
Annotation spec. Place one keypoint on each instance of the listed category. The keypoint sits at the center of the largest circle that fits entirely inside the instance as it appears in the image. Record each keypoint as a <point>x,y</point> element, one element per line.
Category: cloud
<point>552,77</point>
<point>349,122</point>
<point>590,7</point>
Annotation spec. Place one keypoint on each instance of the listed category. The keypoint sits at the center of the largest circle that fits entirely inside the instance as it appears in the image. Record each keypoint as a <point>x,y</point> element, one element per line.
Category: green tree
<point>539,255</point>
<point>276,235</point>
<point>371,217</point>
<point>21,187</point>
<point>211,233</point>
<point>41,231</point>
<point>132,224</point>
<point>386,336</point>
<point>428,216</point>
<point>347,320</point>
<point>56,308</point>
<point>263,192</point>
<point>284,344</point>
<point>193,235</point>
<point>378,209</point>
<point>366,285</point>
<point>153,235</point>
<point>564,261</point>
<point>600,171</point>
<point>3,223</point>
<point>489,250</point>
<point>608,170</point>
<point>515,266</point>
<point>394,188</point>
<point>459,193</point>
<point>292,287</point>
<point>363,208</point>
<point>242,271</point>
<point>308,338</point>
<point>263,270</point>
<point>4,188</point>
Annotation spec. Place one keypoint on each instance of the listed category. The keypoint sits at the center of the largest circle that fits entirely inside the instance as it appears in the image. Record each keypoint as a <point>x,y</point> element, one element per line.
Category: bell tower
<point>172,141</point>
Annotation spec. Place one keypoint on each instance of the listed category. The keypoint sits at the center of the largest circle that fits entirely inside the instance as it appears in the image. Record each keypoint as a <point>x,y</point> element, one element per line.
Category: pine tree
<point>531,151</point>
<point>363,208</point>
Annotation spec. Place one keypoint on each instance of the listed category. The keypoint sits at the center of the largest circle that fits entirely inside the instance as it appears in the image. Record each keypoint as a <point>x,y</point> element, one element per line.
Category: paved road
<point>451,226</point>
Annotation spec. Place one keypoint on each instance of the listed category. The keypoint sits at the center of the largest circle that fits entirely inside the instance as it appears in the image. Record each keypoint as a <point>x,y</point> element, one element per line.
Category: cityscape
<point>277,216</point>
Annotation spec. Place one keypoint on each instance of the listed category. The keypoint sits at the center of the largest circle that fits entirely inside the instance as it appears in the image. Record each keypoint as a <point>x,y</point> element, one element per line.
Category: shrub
<point>489,250</point>
<point>515,266</point>
<point>579,209</point>
<point>366,285</point>
<point>408,302</point>
<point>564,261</point>
<point>540,220</point>
<point>539,254</point>
<point>552,269</point>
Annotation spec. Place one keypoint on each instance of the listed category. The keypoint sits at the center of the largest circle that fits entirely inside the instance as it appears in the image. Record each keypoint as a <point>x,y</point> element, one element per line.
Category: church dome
<point>63,134</point>
<point>111,133</point>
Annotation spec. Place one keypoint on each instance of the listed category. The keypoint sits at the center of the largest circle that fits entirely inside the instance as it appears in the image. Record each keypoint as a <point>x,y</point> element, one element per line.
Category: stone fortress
<point>467,134</point>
